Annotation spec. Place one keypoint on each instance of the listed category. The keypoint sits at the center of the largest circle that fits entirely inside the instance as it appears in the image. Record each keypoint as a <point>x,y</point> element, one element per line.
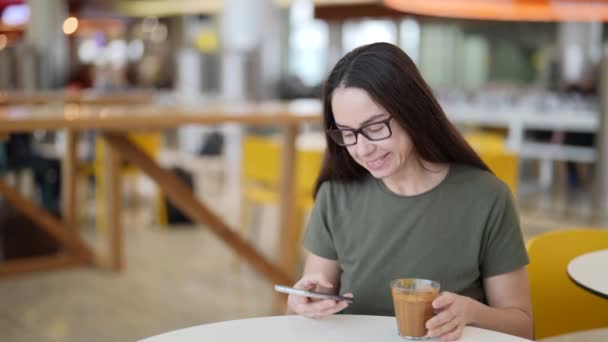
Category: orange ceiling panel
<point>511,10</point>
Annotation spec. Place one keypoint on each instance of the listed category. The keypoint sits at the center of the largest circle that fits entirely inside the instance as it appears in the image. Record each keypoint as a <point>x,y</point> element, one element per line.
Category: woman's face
<point>354,108</point>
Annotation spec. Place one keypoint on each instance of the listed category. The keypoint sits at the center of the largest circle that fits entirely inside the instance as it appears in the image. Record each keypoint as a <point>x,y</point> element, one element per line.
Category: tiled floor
<point>174,278</point>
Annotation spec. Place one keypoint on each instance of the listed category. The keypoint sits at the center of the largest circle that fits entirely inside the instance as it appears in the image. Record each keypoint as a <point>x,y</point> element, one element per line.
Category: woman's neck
<point>417,177</point>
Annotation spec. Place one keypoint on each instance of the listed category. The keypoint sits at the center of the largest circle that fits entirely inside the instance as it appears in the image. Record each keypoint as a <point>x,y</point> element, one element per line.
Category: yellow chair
<point>150,143</point>
<point>261,163</point>
<point>492,150</point>
<point>559,305</point>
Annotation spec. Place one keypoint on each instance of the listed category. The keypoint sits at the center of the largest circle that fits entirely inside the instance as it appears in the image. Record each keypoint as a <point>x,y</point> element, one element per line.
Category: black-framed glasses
<point>373,131</point>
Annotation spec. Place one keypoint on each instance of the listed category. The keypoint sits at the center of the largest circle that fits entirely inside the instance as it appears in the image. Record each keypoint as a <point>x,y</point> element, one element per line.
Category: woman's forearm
<point>512,321</point>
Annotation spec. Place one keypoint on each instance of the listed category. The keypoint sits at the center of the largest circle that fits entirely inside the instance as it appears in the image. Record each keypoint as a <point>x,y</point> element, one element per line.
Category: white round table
<point>590,271</point>
<point>581,336</point>
<point>336,328</point>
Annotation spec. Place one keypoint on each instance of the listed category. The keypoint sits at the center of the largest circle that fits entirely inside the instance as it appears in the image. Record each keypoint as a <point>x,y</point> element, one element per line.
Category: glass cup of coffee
<point>412,299</point>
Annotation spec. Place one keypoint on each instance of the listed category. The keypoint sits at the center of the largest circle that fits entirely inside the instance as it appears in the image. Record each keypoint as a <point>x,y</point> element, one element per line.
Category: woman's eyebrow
<point>371,119</point>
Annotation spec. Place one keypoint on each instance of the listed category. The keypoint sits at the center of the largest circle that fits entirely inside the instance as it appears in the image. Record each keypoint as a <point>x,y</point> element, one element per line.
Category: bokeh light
<point>70,25</point>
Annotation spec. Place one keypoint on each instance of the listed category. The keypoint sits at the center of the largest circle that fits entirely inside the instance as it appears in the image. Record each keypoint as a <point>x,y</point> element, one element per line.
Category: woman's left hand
<point>454,312</point>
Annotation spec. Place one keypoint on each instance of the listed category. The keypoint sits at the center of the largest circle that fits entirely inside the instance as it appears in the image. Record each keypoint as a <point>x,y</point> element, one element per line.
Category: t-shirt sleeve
<point>318,238</point>
<point>503,248</point>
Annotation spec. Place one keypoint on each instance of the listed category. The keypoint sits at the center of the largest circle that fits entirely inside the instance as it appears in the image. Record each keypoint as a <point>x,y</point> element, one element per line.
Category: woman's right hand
<point>311,307</point>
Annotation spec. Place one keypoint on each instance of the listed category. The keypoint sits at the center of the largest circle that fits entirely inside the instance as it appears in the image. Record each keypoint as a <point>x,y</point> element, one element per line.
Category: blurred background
<point>522,82</point>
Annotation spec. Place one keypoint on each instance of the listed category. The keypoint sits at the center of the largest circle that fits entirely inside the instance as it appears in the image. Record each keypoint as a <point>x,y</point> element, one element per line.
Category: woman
<point>401,194</point>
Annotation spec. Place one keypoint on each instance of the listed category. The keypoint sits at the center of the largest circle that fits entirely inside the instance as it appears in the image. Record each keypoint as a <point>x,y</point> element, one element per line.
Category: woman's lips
<point>377,163</point>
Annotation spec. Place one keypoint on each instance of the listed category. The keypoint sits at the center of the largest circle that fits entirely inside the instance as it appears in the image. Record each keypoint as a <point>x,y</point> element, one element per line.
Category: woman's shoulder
<point>477,180</point>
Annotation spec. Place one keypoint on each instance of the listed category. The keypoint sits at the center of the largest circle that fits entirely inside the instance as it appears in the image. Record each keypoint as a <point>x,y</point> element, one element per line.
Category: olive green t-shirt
<point>458,233</point>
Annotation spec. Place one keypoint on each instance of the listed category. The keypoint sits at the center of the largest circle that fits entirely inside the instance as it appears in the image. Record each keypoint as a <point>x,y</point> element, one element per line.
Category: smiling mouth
<point>377,162</point>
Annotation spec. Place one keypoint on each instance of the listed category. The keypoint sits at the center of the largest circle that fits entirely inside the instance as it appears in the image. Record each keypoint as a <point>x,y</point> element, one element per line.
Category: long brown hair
<point>392,80</point>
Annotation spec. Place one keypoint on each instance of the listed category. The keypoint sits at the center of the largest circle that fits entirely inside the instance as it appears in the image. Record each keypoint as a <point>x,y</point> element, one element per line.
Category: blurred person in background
<point>577,94</point>
<point>82,78</point>
<point>585,88</point>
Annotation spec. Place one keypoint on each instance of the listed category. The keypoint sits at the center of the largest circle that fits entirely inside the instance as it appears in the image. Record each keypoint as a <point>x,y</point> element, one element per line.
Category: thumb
<point>322,280</point>
<point>313,279</point>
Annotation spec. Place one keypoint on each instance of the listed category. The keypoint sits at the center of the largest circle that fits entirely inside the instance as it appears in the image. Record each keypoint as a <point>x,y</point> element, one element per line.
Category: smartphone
<point>311,294</point>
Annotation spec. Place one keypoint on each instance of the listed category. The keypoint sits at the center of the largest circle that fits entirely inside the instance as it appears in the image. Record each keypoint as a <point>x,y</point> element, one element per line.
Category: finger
<point>453,335</point>
<point>322,280</point>
<point>297,299</point>
<point>347,295</point>
<point>321,314</point>
<point>318,278</point>
<point>444,299</point>
<point>440,319</point>
<point>332,310</point>
<point>313,308</point>
<point>443,329</point>
<point>305,283</point>
<point>311,280</point>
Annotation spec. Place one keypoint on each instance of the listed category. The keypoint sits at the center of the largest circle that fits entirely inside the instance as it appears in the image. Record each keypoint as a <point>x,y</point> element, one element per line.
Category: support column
<point>600,196</point>
<point>45,60</point>
<point>241,27</point>
<point>335,44</point>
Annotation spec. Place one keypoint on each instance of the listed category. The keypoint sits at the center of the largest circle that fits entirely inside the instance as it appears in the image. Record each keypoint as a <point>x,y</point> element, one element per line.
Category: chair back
<point>492,150</point>
<point>560,306</point>
<point>262,163</point>
<point>150,143</point>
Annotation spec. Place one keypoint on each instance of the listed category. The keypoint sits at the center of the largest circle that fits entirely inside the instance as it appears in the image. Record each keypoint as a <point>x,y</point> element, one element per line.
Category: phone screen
<point>311,294</point>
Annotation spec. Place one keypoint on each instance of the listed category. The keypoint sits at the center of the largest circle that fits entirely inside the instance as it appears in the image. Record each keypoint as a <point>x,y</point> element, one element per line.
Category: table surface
<point>335,328</point>
<point>590,271</point>
<point>594,335</point>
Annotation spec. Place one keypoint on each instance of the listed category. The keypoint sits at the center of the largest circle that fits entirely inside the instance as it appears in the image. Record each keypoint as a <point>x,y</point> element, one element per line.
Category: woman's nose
<point>364,146</point>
